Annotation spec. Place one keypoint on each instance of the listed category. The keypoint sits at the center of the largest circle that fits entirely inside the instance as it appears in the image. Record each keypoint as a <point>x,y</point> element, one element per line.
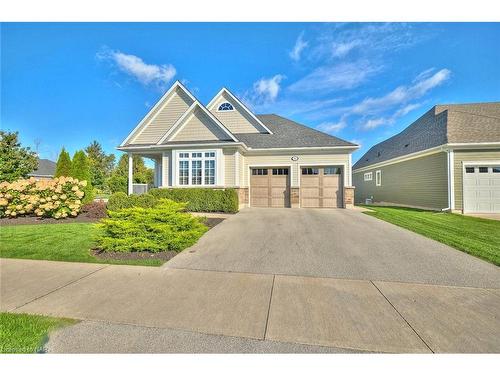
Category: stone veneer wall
<point>349,197</point>
<point>242,197</point>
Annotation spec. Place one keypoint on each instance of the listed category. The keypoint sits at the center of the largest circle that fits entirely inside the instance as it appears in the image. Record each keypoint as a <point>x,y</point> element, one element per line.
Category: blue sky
<point>68,84</point>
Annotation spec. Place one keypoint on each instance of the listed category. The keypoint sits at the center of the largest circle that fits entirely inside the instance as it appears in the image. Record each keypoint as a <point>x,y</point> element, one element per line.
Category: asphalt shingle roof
<point>46,167</point>
<point>288,134</point>
<point>451,123</point>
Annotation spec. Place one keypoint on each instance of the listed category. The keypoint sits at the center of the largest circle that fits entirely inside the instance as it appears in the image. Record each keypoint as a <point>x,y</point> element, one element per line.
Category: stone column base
<point>242,197</point>
<point>349,197</point>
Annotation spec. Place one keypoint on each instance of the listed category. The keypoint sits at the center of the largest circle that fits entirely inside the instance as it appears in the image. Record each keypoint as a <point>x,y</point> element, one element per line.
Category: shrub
<point>201,199</point>
<point>117,184</point>
<point>95,210</point>
<point>57,198</point>
<point>164,227</point>
<point>120,200</point>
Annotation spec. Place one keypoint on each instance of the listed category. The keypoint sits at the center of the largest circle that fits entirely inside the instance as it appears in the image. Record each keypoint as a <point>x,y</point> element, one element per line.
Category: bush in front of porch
<point>196,199</point>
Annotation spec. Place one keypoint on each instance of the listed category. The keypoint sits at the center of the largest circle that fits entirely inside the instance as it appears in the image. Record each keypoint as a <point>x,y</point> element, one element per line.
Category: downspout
<point>450,178</point>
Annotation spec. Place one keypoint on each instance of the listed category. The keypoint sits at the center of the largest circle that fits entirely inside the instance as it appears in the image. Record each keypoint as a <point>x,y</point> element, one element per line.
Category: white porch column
<point>130,174</point>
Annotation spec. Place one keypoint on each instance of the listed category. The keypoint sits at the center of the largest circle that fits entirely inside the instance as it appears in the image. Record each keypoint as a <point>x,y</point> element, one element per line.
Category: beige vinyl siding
<point>159,122</point>
<point>271,160</point>
<point>237,121</point>
<point>419,182</point>
<point>229,167</point>
<point>461,156</point>
<point>199,127</point>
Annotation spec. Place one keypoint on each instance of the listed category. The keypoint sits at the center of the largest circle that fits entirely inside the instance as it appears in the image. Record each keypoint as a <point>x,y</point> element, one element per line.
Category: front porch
<point>141,188</point>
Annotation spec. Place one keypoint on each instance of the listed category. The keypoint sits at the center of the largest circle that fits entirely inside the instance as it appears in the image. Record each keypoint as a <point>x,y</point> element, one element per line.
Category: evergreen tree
<point>15,161</point>
<point>80,169</point>
<point>101,165</point>
<point>63,166</point>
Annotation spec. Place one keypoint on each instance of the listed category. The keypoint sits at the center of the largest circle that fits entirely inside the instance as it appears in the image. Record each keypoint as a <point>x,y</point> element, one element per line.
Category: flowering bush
<point>58,198</point>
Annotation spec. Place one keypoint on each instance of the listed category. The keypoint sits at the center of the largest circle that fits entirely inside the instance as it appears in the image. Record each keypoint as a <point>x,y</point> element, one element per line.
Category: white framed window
<point>225,107</point>
<point>196,168</point>
<point>368,176</point>
<point>378,178</point>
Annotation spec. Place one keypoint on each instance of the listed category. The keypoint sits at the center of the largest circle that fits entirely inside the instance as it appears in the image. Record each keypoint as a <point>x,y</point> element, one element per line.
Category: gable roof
<point>289,134</point>
<point>156,110</point>
<point>225,91</point>
<point>442,124</point>
<point>182,121</point>
<point>46,167</point>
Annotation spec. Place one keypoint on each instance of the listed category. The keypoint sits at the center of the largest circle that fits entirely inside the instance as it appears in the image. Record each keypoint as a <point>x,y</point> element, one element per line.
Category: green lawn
<point>475,236</point>
<point>64,242</point>
<point>23,333</point>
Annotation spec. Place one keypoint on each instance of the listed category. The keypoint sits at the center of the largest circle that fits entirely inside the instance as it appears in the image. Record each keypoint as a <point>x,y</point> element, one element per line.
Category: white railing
<point>139,188</point>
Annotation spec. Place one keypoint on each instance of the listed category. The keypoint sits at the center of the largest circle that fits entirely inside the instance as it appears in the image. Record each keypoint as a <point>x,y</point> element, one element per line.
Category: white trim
<point>444,147</point>
<point>164,176</point>
<point>303,148</point>
<point>237,180</point>
<point>158,103</point>
<point>414,155</point>
<point>451,180</point>
<point>225,110</point>
<point>180,123</point>
<point>368,176</point>
<point>218,163</point>
<point>475,163</point>
<point>225,90</point>
<point>481,162</point>
<point>267,165</point>
<point>350,170</point>
<point>130,174</point>
<point>378,177</point>
<point>183,145</point>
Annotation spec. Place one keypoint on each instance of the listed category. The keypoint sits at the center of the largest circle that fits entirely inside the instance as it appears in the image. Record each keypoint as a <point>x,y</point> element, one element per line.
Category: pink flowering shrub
<point>57,198</point>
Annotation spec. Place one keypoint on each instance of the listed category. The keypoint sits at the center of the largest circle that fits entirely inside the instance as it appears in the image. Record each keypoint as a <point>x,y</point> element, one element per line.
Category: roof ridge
<point>474,114</point>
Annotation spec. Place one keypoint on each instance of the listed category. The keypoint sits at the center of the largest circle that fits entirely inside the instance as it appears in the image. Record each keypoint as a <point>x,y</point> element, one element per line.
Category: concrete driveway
<point>332,243</point>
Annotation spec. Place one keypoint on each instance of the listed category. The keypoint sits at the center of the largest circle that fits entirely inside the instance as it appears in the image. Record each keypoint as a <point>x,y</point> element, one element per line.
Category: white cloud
<point>402,94</point>
<point>134,66</point>
<point>264,91</point>
<point>375,123</point>
<point>335,77</point>
<point>299,46</point>
<point>332,127</point>
<point>342,49</point>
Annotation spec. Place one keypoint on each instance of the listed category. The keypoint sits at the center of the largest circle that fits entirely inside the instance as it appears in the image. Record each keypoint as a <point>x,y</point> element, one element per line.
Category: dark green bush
<point>201,199</point>
<point>164,227</point>
<point>117,201</point>
<point>120,200</point>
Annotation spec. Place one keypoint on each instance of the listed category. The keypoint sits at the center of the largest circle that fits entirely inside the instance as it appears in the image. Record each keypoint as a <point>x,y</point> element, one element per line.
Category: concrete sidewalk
<point>335,313</point>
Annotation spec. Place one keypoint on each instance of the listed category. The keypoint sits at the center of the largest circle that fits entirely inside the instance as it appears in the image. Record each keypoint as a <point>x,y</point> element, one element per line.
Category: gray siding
<point>461,156</point>
<point>420,182</point>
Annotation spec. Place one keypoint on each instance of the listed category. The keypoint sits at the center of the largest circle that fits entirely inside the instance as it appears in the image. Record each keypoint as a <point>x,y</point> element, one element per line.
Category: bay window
<point>196,168</point>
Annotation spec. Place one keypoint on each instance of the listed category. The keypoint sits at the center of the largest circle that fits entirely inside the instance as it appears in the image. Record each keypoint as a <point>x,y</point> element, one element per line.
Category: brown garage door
<point>321,187</point>
<point>270,187</point>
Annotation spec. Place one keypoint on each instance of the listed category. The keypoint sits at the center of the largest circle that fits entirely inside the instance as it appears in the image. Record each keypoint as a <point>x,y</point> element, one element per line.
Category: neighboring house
<point>45,171</point>
<point>271,161</point>
<point>449,159</point>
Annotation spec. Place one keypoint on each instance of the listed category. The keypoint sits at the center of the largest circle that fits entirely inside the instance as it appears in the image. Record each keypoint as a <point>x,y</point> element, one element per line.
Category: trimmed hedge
<point>164,227</point>
<point>120,200</point>
<point>201,199</point>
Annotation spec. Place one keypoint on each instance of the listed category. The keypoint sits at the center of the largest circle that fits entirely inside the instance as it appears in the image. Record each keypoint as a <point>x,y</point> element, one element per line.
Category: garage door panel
<point>481,190</point>
<point>268,190</point>
<point>320,190</point>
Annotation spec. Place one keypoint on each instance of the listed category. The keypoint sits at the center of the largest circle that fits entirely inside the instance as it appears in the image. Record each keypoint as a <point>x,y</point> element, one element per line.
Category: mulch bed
<point>27,220</point>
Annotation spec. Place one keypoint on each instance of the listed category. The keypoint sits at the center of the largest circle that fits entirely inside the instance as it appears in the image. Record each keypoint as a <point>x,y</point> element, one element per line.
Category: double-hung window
<point>197,168</point>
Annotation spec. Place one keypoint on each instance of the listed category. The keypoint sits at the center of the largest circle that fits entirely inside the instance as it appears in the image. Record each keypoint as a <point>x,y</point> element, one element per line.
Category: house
<point>45,171</point>
<point>271,161</point>
<point>448,159</point>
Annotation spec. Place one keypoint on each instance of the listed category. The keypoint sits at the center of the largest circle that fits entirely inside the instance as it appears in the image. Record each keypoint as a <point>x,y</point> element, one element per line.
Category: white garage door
<point>482,188</point>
